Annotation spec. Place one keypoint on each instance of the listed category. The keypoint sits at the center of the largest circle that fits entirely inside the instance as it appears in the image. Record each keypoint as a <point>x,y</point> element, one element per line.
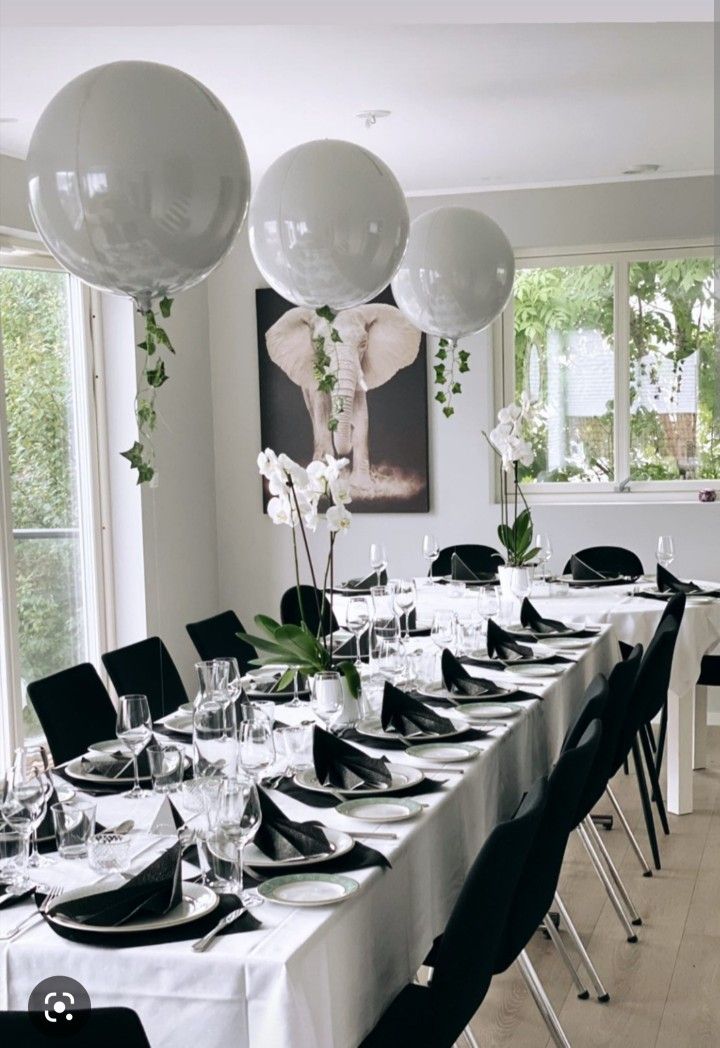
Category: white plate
<point>529,669</point>
<point>178,722</point>
<point>74,770</point>
<point>403,776</point>
<point>569,643</point>
<point>437,691</point>
<point>489,711</point>
<point>109,746</point>
<point>308,889</point>
<point>381,809</point>
<point>372,727</point>
<point>197,901</point>
<point>444,752</point>
<point>187,707</point>
<point>340,844</point>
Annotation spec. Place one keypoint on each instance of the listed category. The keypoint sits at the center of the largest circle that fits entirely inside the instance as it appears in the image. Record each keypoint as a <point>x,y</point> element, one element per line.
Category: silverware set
<point>207,940</point>
<point>51,895</point>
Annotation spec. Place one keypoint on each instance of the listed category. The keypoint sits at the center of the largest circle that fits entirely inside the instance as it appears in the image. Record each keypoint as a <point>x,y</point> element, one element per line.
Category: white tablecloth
<point>319,977</point>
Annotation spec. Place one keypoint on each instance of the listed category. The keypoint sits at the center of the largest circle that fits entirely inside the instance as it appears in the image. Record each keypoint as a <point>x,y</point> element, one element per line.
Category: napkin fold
<point>532,619</point>
<point>458,681</point>
<point>116,764</point>
<point>366,581</point>
<point>460,571</point>
<point>281,838</point>
<point>502,645</point>
<point>407,716</point>
<point>668,583</point>
<point>345,767</point>
<point>154,891</point>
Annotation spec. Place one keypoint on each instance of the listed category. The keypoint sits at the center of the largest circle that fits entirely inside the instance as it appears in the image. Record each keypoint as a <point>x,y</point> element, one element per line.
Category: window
<point>47,441</point>
<point>617,355</point>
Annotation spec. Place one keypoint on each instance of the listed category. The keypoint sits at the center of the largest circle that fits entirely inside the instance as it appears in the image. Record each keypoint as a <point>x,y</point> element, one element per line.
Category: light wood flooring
<point>665,990</point>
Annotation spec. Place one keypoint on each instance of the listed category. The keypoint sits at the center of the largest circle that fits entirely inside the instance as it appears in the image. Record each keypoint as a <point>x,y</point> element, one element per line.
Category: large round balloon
<point>328,224</point>
<point>457,273</point>
<point>138,179</point>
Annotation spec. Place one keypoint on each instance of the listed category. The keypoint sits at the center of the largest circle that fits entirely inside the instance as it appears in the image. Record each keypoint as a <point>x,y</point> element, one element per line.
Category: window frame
<point>85,325</point>
<point>620,256</point>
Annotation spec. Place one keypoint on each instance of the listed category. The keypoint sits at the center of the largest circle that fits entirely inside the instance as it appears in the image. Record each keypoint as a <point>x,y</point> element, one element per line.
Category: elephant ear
<point>289,345</point>
<point>392,343</point>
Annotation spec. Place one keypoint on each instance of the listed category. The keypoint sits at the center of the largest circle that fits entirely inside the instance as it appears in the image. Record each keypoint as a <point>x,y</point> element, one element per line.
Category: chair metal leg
<point>646,806</point>
<point>600,991</point>
<point>607,885</point>
<point>651,737</point>
<point>654,781</point>
<point>634,843</point>
<point>470,1037</point>
<point>542,1002</point>
<point>582,990</point>
<point>595,837</point>
<point>661,738</point>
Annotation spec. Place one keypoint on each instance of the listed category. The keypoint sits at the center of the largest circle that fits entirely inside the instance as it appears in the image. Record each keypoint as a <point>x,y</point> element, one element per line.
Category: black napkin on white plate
<point>459,682</point>
<point>153,892</point>
<point>407,716</point>
<point>461,572</point>
<point>364,582</point>
<point>532,619</point>
<point>280,837</point>
<point>345,767</point>
<point>115,764</point>
<point>668,583</point>
<point>502,645</point>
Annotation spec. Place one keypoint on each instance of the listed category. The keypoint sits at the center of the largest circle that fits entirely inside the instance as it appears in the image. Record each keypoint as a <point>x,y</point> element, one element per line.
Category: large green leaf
<point>351,675</point>
<point>264,622</point>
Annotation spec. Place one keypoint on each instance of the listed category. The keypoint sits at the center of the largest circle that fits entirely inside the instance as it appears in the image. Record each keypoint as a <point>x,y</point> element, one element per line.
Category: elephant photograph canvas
<point>380,398</point>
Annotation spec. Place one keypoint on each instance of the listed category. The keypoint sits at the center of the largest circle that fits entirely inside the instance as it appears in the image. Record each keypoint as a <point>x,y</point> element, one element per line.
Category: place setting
<point>667,586</point>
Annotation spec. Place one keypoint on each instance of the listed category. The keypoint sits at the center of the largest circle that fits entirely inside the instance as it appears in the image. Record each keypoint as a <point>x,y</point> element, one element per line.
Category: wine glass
<point>31,781</point>
<point>487,605</point>
<point>430,551</point>
<point>327,695</point>
<point>405,598</point>
<point>665,553</point>
<point>545,551</point>
<point>18,814</point>
<point>357,619</point>
<point>238,816</point>
<point>443,628</point>
<point>378,559</point>
<point>257,747</point>
<point>134,729</point>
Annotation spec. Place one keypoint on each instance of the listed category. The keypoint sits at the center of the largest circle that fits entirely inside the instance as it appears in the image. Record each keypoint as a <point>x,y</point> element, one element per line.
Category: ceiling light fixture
<point>641,169</point>
<point>370,117</point>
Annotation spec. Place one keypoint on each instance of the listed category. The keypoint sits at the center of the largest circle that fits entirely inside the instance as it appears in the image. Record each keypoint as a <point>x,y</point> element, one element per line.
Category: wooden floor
<point>665,990</point>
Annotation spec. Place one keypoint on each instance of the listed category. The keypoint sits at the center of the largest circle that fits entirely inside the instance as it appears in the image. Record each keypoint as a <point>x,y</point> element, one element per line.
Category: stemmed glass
<point>487,604</point>
<point>31,779</point>
<point>257,746</point>
<point>665,553</point>
<point>134,730</point>
<point>238,816</point>
<point>443,629</point>
<point>545,551</point>
<point>405,598</point>
<point>430,551</point>
<point>357,619</point>
<point>327,695</point>
<point>18,814</point>
<point>378,559</point>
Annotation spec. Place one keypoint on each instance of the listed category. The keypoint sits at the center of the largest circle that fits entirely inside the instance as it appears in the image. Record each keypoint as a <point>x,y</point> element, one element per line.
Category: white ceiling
<point>473,106</point>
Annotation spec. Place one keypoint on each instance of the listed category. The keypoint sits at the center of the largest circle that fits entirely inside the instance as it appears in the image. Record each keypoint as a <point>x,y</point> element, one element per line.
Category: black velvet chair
<point>292,612</point>
<point>609,560</point>
<point>217,638</point>
<point>104,1026</point>
<point>483,559</point>
<point>147,668</point>
<point>434,1016</point>
<point>74,710</point>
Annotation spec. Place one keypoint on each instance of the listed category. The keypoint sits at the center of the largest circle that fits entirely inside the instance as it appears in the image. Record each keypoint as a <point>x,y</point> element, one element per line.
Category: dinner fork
<point>202,944</point>
<point>50,896</point>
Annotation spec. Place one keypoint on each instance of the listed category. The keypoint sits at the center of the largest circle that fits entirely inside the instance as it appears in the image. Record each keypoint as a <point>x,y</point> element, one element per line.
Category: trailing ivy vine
<point>325,377</point>
<point>141,455</point>
<point>449,357</point>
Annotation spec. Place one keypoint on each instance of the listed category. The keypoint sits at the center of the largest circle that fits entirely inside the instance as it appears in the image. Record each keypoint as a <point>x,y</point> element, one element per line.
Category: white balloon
<point>328,224</point>
<point>138,179</point>
<point>457,273</point>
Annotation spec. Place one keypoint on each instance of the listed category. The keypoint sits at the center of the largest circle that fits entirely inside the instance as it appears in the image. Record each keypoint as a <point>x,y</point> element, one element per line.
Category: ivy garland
<point>141,455</point>
<point>327,379</point>
<point>447,356</point>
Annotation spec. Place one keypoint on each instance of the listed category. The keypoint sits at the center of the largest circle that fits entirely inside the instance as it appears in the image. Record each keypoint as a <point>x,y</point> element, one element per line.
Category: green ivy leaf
<point>448,410</point>
<point>441,354</point>
<point>443,343</point>
<point>440,397</point>
<point>146,415</point>
<point>156,376</point>
<point>456,387</point>
<point>326,313</point>
<point>335,335</point>
<point>332,424</point>
<point>463,368</point>
<point>165,305</point>
<point>134,455</point>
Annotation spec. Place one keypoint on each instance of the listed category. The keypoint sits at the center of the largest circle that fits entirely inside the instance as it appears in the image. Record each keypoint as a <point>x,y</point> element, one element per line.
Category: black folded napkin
<point>316,799</point>
<point>531,617</point>
<point>668,583</point>
<point>502,645</point>
<point>154,891</point>
<point>360,857</point>
<point>408,716</point>
<point>366,581</point>
<point>280,837</point>
<point>10,896</point>
<point>343,766</point>
<point>460,572</point>
<point>116,764</point>
<point>459,682</point>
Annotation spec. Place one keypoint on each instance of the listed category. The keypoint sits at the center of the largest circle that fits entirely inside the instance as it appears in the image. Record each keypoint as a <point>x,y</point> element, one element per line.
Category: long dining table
<point>319,976</point>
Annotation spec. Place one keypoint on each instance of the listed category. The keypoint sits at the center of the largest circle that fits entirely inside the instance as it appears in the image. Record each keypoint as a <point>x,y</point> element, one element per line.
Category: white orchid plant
<point>507,441</point>
<point>296,493</point>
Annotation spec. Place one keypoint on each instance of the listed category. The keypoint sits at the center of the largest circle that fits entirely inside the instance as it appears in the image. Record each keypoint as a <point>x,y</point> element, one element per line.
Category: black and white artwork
<point>380,399</point>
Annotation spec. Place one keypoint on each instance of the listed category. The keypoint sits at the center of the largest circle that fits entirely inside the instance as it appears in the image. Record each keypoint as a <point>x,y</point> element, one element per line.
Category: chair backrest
<point>74,710</point>
<point>675,608</point>
<point>610,705</point>
<point>217,638</point>
<point>484,559</point>
<point>464,965</point>
<point>292,613</point>
<point>147,668</point>
<point>610,560</point>
<point>104,1026</point>
<point>538,881</point>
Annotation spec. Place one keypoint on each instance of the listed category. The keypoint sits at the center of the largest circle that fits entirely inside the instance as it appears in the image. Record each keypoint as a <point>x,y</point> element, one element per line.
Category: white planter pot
<point>351,708</point>
<point>514,581</point>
